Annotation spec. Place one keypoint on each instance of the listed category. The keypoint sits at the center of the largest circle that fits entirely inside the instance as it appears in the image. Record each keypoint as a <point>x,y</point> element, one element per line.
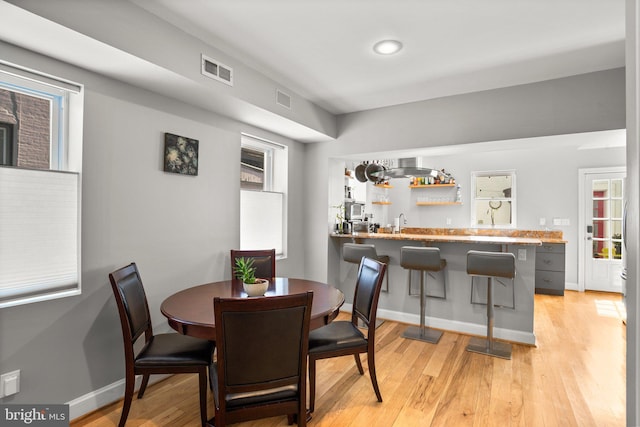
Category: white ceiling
<point>322,48</point>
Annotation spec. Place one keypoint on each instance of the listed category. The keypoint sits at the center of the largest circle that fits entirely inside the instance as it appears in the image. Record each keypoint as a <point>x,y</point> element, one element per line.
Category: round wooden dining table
<point>190,311</point>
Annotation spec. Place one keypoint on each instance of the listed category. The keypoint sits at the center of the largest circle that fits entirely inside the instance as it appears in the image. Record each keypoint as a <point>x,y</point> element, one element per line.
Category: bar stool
<point>353,252</point>
<point>422,259</point>
<point>490,265</point>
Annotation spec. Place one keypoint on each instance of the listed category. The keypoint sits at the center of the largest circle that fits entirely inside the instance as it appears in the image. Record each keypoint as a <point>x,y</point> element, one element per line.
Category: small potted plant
<point>339,227</point>
<point>245,271</point>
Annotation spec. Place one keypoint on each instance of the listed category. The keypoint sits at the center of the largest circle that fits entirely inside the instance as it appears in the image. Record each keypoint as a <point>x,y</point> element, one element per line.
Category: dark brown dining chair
<point>261,364</point>
<point>342,338</point>
<point>162,353</point>
<point>263,260</point>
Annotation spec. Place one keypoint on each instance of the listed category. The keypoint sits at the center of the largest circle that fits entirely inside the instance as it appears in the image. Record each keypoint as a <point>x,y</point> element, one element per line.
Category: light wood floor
<point>574,377</point>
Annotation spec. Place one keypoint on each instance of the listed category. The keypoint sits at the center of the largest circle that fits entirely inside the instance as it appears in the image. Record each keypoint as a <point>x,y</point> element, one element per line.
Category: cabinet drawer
<point>549,282</point>
<point>551,248</point>
<point>550,261</point>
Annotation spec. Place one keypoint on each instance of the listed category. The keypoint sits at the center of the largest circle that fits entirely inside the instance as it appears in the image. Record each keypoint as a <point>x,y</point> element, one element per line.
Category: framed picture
<point>180,154</point>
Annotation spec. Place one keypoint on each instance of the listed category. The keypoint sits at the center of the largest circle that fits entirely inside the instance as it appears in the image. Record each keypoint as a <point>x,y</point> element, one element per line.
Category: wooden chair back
<point>262,346</point>
<point>264,260</point>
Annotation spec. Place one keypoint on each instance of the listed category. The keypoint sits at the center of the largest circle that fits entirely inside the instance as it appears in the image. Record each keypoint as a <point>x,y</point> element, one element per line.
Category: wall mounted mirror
<point>493,201</point>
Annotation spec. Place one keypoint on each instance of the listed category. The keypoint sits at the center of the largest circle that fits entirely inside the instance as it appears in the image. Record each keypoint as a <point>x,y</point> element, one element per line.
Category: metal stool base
<point>491,348</point>
<point>422,334</point>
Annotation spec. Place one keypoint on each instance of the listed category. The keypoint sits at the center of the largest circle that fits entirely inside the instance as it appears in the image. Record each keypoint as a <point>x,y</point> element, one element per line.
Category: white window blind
<point>39,235</point>
<point>261,216</point>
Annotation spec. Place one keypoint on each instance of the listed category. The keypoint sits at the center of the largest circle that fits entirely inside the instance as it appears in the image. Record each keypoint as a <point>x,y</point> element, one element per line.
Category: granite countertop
<point>465,235</point>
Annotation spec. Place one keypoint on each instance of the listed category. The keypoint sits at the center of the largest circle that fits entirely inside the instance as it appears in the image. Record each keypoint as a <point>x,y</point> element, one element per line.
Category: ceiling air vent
<point>283,99</point>
<point>217,70</point>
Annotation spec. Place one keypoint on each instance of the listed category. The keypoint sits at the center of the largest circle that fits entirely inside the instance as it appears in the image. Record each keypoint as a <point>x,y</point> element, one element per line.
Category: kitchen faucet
<point>403,216</point>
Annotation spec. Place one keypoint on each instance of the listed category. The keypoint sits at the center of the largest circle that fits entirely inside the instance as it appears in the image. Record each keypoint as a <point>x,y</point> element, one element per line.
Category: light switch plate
<point>522,254</point>
<point>9,383</point>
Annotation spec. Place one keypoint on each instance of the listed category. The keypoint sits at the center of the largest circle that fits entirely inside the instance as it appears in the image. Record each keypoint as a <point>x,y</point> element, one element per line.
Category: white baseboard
<point>569,286</point>
<point>104,396</point>
<point>454,326</point>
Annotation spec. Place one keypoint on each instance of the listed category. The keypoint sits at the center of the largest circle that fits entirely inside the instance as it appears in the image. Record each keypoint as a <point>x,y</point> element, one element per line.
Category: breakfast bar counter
<point>463,235</point>
<point>462,310</point>
<point>438,238</point>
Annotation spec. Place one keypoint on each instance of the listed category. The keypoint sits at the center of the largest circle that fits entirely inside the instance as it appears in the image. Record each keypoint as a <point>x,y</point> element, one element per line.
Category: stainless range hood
<point>407,167</point>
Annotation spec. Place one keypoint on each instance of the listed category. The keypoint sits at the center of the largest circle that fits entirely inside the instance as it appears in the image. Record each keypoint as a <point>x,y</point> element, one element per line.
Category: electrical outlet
<point>9,383</point>
<point>522,254</point>
<point>448,221</point>
<point>543,221</point>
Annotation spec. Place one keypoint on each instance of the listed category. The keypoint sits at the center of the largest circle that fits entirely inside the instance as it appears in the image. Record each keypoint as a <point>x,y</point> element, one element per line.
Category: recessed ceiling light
<point>387,47</point>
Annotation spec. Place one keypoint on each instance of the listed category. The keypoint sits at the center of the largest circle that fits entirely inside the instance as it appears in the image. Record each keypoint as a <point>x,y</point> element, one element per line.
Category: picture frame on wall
<point>180,154</point>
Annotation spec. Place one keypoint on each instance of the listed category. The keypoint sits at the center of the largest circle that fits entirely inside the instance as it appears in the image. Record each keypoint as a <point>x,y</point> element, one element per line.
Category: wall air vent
<point>216,70</point>
<point>283,99</point>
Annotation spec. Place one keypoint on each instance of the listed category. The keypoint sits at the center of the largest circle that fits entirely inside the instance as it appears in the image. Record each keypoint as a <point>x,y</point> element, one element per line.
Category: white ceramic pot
<point>256,289</point>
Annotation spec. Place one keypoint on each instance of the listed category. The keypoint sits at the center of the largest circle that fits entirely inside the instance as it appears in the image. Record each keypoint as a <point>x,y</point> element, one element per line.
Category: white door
<point>603,231</point>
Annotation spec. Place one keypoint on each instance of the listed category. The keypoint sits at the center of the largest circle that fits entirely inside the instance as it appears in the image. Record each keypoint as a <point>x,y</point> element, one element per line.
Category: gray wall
<point>583,103</point>
<point>633,186</point>
<point>69,347</point>
<point>178,229</point>
<point>546,187</point>
<point>159,52</point>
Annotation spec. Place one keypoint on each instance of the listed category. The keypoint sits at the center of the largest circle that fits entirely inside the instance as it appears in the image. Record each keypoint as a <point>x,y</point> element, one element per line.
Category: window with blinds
<point>40,165</point>
<point>263,185</point>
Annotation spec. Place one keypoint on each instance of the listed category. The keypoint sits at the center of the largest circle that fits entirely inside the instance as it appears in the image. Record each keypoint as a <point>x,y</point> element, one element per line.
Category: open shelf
<point>383,185</point>
<point>437,203</point>
<point>432,185</point>
<point>381,203</point>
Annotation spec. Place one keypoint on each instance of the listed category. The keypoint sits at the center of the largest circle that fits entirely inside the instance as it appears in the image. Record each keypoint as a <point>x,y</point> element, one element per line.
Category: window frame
<point>275,183</point>
<point>475,199</point>
<point>66,103</point>
<point>7,145</point>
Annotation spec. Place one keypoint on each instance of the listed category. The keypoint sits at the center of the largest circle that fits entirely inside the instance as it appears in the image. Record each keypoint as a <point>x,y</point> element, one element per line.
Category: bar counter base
<point>427,334</point>
<point>491,348</point>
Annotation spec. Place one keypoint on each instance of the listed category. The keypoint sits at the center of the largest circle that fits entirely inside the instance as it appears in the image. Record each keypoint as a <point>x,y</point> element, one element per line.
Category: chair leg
<point>143,385</point>
<point>312,384</point>
<point>359,363</point>
<point>302,416</point>
<point>202,376</point>
<point>130,382</point>
<point>372,373</point>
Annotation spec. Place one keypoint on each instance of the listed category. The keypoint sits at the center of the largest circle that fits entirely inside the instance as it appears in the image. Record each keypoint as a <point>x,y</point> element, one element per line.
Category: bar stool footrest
<point>491,348</point>
<point>427,334</point>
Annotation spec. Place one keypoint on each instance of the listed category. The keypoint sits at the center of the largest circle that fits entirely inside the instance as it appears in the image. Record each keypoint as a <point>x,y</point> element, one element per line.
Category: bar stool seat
<point>422,259</point>
<point>353,252</point>
<point>490,265</point>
